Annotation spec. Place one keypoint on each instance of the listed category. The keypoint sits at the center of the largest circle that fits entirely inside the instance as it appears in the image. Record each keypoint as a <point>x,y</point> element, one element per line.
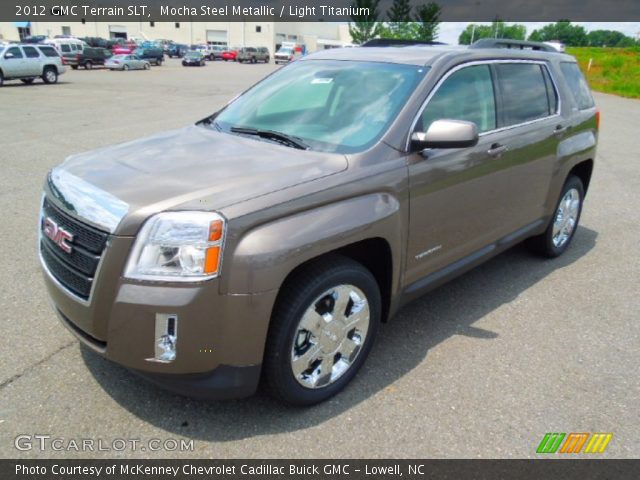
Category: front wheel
<point>125,67</point>
<point>88,65</point>
<point>147,66</point>
<point>564,223</point>
<point>322,330</point>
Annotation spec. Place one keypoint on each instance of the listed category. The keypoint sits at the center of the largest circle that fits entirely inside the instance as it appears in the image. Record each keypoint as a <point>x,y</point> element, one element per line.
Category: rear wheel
<point>147,66</point>
<point>50,75</point>
<point>322,330</point>
<point>125,67</point>
<point>88,65</point>
<point>564,223</point>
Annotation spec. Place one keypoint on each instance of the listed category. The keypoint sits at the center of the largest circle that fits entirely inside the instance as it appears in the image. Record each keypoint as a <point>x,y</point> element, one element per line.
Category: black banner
<point>309,10</point>
<point>319,469</point>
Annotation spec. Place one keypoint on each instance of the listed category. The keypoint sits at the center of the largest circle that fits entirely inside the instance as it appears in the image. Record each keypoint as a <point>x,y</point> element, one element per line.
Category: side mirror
<point>8,55</point>
<point>446,134</point>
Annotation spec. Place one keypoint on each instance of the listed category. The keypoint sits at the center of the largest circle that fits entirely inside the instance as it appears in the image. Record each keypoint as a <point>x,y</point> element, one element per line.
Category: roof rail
<point>508,43</point>
<point>396,42</point>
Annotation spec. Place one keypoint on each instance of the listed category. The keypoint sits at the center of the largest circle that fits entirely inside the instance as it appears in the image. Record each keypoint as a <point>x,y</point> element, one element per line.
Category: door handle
<point>560,130</point>
<point>496,150</point>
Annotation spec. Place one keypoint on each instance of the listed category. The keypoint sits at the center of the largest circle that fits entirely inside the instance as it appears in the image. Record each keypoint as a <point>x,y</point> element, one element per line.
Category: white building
<point>314,35</point>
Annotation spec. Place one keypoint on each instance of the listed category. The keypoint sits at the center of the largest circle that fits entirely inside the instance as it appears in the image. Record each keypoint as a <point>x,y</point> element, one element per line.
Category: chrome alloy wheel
<point>50,75</point>
<point>330,335</point>
<point>566,218</point>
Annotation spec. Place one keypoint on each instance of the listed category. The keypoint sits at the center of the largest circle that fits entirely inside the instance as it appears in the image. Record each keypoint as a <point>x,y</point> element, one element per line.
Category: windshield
<point>193,55</point>
<point>333,106</point>
<point>286,51</point>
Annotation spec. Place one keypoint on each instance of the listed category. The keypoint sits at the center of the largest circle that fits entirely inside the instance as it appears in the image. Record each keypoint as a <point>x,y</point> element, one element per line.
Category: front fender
<point>265,255</point>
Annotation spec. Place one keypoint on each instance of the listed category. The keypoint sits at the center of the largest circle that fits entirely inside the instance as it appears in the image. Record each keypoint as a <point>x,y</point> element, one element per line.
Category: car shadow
<point>447,311</point>
<point>37,83</point>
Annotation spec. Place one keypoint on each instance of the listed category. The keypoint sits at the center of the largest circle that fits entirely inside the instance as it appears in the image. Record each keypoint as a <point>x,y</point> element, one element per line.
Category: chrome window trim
<point>86,302</point>
<point>488,62</point>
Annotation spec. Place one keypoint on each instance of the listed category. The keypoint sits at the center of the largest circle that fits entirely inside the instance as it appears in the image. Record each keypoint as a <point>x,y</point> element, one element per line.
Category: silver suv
<point>27,62</point>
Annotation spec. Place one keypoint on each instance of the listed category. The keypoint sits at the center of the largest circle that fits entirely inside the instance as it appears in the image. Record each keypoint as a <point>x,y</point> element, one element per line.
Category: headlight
<point>178,247</point>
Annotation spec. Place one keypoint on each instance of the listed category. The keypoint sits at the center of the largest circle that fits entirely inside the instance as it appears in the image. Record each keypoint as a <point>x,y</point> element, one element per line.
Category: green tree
<point>428,22</point>
<point>498,29</point>
<point>399,25</point>
<point>365,27</point>
<point>609,38</point>
<point>564,31</point>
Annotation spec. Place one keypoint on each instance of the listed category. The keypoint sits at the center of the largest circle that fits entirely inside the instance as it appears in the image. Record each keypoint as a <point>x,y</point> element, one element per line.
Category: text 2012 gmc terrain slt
<point>272,238</point>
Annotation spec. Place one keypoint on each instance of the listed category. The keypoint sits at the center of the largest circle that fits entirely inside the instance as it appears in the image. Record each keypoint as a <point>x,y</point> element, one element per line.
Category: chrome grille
<point>75,270</point>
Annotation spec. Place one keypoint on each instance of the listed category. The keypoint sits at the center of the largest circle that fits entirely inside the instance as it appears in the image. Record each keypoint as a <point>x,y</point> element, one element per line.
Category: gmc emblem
<point>58,235</point>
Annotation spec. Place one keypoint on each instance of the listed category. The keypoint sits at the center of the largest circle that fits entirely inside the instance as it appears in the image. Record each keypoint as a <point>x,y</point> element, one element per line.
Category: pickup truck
<point>270,239</point>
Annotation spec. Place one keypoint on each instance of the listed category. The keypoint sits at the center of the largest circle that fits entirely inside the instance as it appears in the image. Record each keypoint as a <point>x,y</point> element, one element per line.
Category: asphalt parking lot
<point>481,367</point>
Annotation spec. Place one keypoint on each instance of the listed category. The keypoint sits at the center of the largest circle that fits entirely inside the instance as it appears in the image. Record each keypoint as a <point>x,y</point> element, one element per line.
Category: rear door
<point>33,65</point>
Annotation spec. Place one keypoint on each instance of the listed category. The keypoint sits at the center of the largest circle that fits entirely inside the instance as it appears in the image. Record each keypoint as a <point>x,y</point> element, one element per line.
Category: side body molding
<point>264,256</point>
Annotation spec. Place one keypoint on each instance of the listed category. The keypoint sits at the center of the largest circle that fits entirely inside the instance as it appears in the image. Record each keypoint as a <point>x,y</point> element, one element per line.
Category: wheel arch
<point>583,170</point>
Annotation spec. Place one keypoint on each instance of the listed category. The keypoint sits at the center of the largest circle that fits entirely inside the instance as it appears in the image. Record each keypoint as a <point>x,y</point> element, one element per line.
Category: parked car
<point>285,55</point>
<point>28,62</point>
<point>278,233</point>
<point>177,50</point>
<point>66,44</point>
<point>124,48</point>
<point>230,54</point>
<point>214,52</point>
<point>193,58</point>
<point>253,55</point>
<point>127,62</point>
<point>152,55</point>
<point>88,58</point>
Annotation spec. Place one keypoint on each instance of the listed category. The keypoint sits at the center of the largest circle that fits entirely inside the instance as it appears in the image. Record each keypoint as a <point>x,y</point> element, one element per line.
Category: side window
<point>577,84</point>
<point>552,94</point>
<point>524,92</point>
<point>15,51</point>
<point>49,51</point>
<point>465,95</point>
<point>30,52</point>
<point>64,48</point>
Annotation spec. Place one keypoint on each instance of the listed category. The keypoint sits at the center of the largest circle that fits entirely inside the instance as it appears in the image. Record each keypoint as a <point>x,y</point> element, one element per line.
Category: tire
<point>184,64</point>
<point>563,224</point>
<point>27,81</point>
<point>50,75</point>
<point>267,60</point>
<point>159,62</point>
<point>305,294</point>
<point>1,79</point>
<point>254,60</point>
<point>147,66</point>
<point>74,67</point>
<point>125,67</point>
<point>88,65</point>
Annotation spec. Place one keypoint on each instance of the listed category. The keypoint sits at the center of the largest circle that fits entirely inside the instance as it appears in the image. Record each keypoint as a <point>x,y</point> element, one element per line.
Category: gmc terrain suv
<point>272,238</point>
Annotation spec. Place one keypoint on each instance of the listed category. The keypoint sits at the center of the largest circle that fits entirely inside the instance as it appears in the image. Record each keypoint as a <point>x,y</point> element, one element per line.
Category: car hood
<point>117,187</point>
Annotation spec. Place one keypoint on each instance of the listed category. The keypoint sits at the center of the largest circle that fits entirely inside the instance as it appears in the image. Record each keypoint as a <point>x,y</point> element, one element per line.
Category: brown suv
<point>272,238</point>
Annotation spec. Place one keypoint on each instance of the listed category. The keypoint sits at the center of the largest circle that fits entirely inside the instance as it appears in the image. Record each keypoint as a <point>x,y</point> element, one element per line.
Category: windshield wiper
<point>280,137</point>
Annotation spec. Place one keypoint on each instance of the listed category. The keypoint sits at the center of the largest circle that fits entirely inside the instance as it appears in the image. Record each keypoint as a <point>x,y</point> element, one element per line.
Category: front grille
<point>75,270</point>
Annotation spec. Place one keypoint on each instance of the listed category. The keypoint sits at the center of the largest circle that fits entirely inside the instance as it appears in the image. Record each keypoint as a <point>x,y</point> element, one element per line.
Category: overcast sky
<point>449,31</point>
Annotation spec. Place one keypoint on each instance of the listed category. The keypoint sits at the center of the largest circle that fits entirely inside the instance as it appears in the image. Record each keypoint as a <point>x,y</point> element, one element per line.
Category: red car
<point>230,54</point>
<point>124,49</point>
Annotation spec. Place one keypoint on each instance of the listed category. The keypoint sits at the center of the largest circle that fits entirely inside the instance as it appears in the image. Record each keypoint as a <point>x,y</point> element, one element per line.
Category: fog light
<point>166,335</point>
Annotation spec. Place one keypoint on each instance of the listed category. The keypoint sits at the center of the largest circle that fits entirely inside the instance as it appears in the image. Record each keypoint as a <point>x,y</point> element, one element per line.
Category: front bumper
<point>220,338</point>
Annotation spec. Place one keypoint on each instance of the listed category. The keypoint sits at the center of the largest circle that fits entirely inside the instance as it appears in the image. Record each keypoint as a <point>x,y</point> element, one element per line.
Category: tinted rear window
<point>524,92</point>
<point>49,51</point>
<point>65,48</point>
<point>30,52</point>
<point>577,84</point>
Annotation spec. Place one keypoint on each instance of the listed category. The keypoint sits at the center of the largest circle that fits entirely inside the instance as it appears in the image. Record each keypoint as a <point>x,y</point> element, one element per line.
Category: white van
<point>67,45</point>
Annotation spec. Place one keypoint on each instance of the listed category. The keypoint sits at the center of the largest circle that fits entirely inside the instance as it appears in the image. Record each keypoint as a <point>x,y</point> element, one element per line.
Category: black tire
<point>1,78</point>
<point>88,65</point>
<point>27,81</point>
<point>159,62</point>
<point>184,64</point>
<point>543,244</point>
<point>147,66</point>
<point>50,75</point>
<point>299,293</point>
<point>266,60</point>
<point>254,60</point>
<point>125,67</point>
